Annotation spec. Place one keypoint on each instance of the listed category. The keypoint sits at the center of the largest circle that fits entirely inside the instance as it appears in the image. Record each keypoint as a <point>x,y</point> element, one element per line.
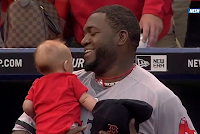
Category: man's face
<point>99,42</point>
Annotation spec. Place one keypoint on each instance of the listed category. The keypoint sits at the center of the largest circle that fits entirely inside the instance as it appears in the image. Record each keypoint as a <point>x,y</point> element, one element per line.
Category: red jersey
<point>56,102</point>
<point>82,9</point>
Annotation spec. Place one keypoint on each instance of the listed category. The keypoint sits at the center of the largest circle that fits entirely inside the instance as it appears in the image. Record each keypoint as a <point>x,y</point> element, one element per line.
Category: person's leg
<point>180,16</point>
<point>168,41</point>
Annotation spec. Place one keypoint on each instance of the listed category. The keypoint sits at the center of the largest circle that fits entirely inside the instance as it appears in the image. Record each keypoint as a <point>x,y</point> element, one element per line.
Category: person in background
<point>180,19</point>
<point>111,38</point>
<point>4,4</point>
<point>154,17</point>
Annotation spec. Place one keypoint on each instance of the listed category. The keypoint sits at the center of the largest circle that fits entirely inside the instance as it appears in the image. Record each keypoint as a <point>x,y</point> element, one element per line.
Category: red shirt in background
<point>4,7</point>
<point>56,102</point>
<point>82,9</point>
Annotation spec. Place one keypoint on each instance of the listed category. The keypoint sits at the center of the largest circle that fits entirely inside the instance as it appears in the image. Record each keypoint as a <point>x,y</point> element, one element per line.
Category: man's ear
<point>122,37</point>
<point>65,65</point>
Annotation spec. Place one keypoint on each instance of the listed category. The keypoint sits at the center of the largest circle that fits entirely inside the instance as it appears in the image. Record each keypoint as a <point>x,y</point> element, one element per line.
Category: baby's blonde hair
<point>50,55</point>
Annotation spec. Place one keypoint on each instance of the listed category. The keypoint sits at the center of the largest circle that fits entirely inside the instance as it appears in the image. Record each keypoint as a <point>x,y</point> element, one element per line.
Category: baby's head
<point>53,56</point>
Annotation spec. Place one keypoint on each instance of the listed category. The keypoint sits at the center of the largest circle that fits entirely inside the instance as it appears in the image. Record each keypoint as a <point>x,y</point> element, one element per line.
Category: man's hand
<point>131,128</point>
<point>77,130</point>
<point>152,27</point>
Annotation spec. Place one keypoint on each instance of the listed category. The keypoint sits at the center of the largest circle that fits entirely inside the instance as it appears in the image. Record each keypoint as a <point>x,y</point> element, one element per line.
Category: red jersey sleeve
<point>78,87</point>
<point>31,91</point>
<point>4,4</point>
<point>63,8</point>
<point>157,7</point>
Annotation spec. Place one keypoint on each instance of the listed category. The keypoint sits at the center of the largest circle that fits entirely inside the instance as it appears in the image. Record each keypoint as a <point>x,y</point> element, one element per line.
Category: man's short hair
<point>122,18</point>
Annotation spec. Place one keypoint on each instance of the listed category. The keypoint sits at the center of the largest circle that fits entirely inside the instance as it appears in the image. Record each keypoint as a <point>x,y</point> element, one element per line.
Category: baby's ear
<point>66,65</point>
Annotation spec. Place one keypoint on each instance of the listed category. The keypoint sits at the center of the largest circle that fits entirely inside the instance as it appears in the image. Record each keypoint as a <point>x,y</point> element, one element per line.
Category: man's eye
<point>92,34</point>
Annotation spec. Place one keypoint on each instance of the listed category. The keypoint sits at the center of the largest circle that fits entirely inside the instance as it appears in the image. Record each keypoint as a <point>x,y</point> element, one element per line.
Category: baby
<point>54,99</point>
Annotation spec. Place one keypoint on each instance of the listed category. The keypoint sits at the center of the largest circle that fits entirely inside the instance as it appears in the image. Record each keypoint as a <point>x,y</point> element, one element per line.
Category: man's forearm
<point>20,132</point>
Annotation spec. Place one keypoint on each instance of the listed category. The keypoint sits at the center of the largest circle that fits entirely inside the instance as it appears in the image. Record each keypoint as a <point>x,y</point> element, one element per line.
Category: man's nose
<point>85,41</point>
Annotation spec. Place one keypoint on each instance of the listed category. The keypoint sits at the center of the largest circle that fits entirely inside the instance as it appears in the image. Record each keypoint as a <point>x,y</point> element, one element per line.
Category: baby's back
<point>55,104</point>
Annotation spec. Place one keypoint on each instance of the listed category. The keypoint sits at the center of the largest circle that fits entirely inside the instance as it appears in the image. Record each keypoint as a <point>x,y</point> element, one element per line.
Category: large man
<point>111,37</point>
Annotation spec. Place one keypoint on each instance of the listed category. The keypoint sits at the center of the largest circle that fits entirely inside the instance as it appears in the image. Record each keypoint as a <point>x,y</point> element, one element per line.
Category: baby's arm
<point>28,103</point>
<point>28,108</point>
<point>88,101</point>
<point>81,94</point>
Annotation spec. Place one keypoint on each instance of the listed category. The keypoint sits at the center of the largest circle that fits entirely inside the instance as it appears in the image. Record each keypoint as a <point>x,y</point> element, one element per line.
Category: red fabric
<point>62,7</point>
<point>56,102</point>
<point>5,4</point>
<point>184,127</point>
<point>162,9</point>
<point>81,10</point>
<point>4,7</point>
